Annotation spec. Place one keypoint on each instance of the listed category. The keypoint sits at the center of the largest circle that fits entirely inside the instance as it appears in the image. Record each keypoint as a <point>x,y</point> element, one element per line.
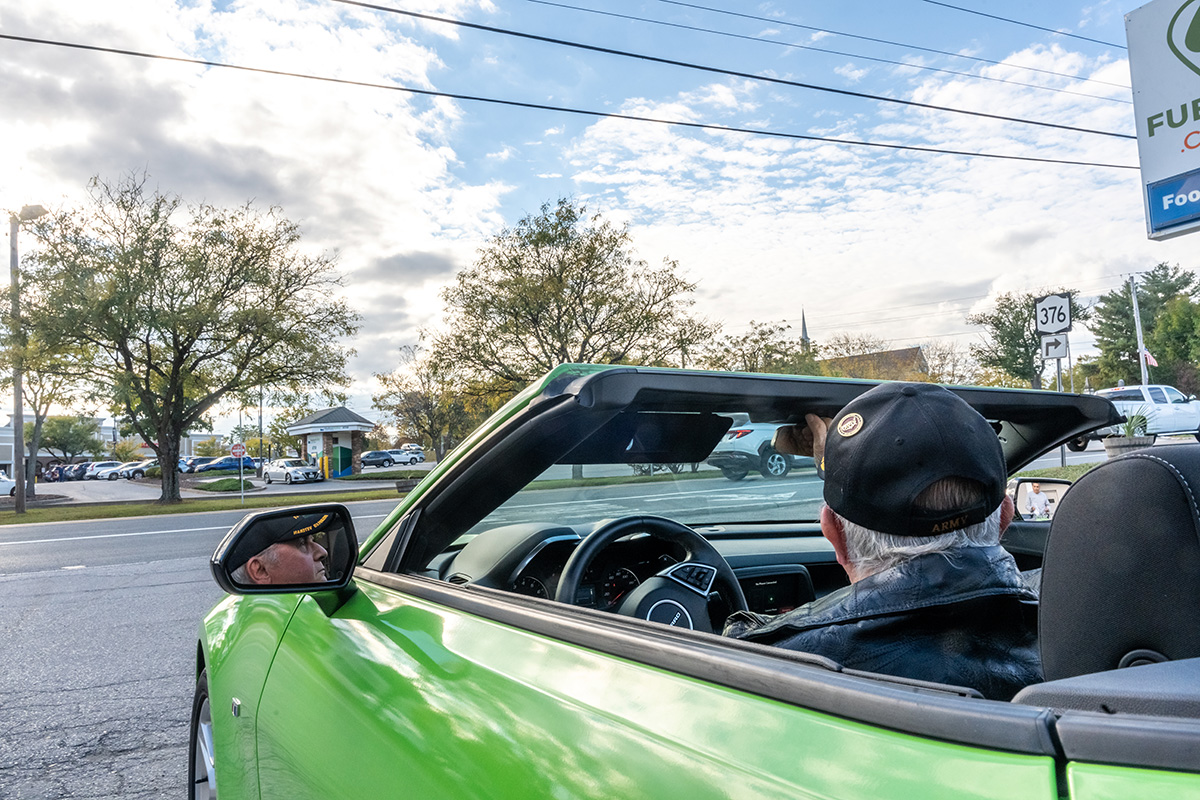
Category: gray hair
<point>240,575</point>
<point>871,551</point>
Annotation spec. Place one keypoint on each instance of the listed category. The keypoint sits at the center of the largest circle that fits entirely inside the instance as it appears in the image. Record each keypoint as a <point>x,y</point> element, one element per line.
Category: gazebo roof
<point>331,420</point>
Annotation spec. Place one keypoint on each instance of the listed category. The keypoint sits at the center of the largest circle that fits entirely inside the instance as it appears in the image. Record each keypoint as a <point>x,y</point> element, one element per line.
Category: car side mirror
<point>1039,505</point>
<point>299,549</point>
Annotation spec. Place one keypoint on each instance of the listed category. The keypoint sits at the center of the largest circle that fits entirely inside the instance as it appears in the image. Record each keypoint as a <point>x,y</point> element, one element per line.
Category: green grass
<point>1071,472</point>
<point>72,513</point>
<point>386,475</point>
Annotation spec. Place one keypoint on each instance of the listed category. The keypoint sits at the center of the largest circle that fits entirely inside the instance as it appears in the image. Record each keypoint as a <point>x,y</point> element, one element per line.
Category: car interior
<point>558,516</point>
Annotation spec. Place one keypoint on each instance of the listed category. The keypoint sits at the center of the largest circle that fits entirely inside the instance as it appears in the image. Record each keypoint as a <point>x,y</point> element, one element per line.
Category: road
<point>98,626</point>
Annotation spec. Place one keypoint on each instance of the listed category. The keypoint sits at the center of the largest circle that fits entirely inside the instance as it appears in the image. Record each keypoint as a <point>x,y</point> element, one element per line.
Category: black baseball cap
<point>892,442</point>
<point>265,532</point>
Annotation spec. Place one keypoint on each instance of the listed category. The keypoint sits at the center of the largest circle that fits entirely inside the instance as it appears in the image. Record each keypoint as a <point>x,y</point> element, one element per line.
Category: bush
<point>154,472</point>
<point>225,485</point>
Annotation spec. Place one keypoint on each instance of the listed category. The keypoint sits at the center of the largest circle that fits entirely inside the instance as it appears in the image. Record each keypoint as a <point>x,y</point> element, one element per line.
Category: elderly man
<point>284,550</point>
<point>915,503</point>
<point>1038,504</point>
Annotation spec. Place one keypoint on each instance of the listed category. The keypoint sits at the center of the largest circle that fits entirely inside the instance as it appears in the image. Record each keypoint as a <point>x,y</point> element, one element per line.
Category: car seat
<point>1121,574</point>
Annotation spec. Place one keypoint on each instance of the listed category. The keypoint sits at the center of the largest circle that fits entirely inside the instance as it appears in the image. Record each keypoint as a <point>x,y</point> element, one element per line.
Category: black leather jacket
<point>962,617</point>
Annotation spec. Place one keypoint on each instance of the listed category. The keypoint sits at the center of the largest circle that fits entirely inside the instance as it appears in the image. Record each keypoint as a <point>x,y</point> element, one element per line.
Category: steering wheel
<point>678,595</point>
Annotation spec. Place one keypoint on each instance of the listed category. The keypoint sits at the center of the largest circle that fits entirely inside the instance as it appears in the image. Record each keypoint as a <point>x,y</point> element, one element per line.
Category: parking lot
<point>123,490</point>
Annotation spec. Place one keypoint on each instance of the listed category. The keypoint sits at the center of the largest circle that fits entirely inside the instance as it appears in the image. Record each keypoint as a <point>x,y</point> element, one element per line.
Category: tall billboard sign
<point>1164,60</point>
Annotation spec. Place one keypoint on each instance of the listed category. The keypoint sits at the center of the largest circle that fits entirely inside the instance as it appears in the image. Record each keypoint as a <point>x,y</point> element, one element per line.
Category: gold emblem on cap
<point>850,425</point>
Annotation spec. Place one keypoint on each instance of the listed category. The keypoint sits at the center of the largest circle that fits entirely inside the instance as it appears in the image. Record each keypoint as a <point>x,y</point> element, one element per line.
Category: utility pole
<point>1137,323</point>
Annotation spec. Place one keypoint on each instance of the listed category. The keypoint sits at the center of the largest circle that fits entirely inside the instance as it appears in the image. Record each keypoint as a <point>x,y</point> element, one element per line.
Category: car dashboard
<point>776,568</point>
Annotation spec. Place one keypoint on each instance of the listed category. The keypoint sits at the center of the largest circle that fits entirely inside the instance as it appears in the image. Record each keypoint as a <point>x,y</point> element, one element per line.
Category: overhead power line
<point>773,21</point>
<point>810,48</point>
<point>559,109</point>
<point>1025,24</point>
<point>720,71</point>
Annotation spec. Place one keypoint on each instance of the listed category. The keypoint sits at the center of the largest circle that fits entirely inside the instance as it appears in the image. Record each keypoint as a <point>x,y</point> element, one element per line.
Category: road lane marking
<point>139,533</point>
<point>115,535</point>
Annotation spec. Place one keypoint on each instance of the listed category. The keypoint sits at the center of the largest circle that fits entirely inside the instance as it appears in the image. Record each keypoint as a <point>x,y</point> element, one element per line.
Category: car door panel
<point>404,697</point>
<point>244,633</point>
<point>1103,782</point>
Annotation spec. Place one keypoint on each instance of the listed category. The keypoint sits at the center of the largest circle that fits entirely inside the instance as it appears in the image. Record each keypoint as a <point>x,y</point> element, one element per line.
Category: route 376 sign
<point>1052,313</point>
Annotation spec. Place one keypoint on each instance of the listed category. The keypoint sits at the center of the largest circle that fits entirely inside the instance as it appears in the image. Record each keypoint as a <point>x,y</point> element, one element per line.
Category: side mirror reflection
<point>1037,498</point>
<point>300,549</point>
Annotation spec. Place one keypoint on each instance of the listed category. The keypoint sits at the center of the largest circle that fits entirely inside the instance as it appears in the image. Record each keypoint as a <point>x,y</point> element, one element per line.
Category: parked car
<point>291,470</point>
<point>195,462</point>
<point>113,473</point>
<point>137,469</point>
<point>227,462</point>
<point>500,634</point>
<point>747,448</point>
<point>1166,409</point>
<point>407,456</point>
<point>7,485</point>
<point>94,469</point>
<point>377,458</point>
<point>75,472</point>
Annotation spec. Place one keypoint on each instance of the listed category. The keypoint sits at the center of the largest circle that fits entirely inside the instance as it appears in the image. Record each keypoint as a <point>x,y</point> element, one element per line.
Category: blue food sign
<point>1174,201</point>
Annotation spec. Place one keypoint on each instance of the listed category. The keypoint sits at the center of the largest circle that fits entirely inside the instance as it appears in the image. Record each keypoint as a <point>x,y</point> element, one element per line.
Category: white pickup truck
<point>1167,411</point>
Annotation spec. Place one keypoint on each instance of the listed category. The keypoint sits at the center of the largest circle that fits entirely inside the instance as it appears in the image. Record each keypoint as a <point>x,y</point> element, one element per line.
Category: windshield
<point>742,479</point>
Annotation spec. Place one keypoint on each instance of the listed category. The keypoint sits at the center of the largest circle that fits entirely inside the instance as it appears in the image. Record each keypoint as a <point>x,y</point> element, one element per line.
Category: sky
<point>405,188</point>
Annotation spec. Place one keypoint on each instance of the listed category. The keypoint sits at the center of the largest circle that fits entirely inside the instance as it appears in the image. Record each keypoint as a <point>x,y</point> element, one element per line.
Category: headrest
<point>1121,574</point>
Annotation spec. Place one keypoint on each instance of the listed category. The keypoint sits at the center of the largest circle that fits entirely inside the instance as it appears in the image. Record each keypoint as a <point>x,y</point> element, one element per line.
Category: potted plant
<point>1131,435</point>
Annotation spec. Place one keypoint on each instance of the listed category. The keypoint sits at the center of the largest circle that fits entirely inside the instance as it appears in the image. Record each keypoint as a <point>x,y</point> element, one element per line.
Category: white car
<point>7,485</point>
<point>291,470</point>
<point>407,455</point>
<point>746,448</point>
<point>96,467</point>
<point>120,471</point>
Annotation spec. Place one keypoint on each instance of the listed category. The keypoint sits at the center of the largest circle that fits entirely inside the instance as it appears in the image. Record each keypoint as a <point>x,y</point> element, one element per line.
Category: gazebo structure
<point>333,437</point>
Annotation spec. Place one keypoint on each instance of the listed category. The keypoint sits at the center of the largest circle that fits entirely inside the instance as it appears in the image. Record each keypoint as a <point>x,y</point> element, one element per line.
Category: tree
<point>422,397</point>
<point>564,287</point>
<point>69,437</point>
<point>126,449</point>
<point>209,448</point>
<point>378,438</point>
<point>765,348</point>
<point>842,345</point>
<point>1116,335</point>
<point>1175,344</point>
<point>1013,345</point>
<point>46,384</point>
<point>949,362</point>
<point>179,314</point>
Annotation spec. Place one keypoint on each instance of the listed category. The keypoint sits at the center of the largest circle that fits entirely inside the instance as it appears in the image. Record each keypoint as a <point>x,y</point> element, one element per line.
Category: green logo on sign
<point>1183,35</point>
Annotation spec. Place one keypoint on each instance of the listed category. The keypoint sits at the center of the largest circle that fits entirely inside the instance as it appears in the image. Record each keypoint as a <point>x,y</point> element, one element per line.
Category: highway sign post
<point>1052,318</point>
<point>237,451</point>
<point>1052,313</point>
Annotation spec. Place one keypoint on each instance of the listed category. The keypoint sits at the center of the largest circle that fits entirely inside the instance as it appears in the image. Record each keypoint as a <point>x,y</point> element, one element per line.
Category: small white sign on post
<point>1054,346</point>
<point>237,451</point>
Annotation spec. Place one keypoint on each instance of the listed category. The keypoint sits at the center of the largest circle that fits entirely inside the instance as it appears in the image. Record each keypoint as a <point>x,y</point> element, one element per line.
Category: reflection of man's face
<point>301,560</point>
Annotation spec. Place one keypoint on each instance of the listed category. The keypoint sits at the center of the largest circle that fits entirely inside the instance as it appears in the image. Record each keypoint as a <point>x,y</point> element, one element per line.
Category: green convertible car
<point>541,617</point>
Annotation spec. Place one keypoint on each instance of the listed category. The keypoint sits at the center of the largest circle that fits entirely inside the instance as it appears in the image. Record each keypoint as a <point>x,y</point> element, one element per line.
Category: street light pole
<point>26,214</point>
